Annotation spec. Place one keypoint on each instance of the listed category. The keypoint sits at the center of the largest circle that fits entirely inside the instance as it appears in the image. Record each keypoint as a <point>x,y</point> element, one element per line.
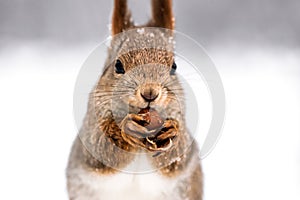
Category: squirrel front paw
<point>164,140</point>
<point>135,131</point>
<point>169,130</point>
<point>132,125</point>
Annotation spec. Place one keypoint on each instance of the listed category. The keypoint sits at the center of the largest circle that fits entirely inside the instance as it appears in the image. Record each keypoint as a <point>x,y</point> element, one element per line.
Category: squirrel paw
<point>130,125</point>
<point>164,139</point>
<point>169,130</point>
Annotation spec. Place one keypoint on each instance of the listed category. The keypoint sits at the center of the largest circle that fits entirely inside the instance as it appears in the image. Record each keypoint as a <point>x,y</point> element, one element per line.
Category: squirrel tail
<point>162,15</point>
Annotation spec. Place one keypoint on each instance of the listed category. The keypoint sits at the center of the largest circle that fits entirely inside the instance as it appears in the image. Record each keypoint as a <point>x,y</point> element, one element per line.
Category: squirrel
<point>136,109</point>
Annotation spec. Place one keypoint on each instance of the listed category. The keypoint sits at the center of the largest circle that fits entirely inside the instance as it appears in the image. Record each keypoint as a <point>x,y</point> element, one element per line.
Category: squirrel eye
<point>119,67</point>
<point>173,69</point>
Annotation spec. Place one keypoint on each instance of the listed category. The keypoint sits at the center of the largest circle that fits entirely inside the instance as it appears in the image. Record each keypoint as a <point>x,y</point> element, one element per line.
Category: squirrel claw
<point>130,126</point>
<point>155,148</point>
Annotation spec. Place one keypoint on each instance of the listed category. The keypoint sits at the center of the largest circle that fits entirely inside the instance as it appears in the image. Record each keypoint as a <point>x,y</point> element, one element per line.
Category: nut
<point>152,119</point>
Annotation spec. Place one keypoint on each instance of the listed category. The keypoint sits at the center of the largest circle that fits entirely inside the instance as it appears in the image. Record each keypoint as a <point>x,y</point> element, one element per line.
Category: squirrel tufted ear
<point>162,14</point>
<point>121,17</point>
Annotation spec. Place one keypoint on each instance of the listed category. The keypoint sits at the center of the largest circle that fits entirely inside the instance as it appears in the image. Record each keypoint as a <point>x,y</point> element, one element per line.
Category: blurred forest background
<point>262,21</point>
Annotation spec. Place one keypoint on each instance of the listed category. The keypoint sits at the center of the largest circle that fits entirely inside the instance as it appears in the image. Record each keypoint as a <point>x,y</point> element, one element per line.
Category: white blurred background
<point>255,46</point>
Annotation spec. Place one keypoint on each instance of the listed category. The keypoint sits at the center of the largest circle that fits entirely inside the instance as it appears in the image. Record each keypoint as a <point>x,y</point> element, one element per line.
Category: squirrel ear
<point>121,17</point>
<point>162,14</point>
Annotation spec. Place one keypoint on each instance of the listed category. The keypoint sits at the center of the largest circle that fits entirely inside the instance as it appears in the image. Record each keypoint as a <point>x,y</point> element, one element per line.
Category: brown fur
<point>121,17</point>
<point>103,145</point>
<point>162,14</point>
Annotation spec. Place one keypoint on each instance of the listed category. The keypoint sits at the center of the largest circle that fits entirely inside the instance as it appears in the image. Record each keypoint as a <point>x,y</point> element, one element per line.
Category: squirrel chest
<point>130,186</point>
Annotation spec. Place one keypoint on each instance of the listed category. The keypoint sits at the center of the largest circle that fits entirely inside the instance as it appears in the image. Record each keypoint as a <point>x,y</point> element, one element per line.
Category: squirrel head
<point>141,72</point>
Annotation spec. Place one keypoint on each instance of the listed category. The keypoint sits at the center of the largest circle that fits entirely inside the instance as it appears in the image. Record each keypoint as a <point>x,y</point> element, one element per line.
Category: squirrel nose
<point>149,94</point>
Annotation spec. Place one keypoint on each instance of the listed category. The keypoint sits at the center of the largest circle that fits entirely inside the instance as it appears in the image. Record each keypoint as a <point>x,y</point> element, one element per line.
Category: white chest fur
<point>135,187</point>
<point>126,186</point>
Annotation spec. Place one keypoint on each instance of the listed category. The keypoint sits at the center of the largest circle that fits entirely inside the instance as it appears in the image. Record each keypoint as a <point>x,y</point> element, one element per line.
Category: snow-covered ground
<point>257,157</point>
